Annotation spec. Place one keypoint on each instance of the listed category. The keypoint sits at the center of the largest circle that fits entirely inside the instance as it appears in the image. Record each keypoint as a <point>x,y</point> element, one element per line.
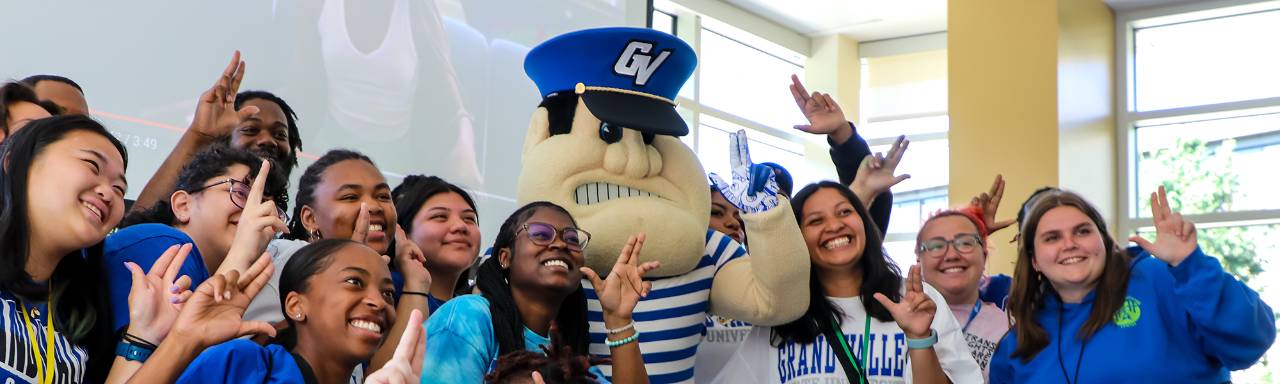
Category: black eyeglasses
<point>937,247</point>
<point>239,194</point>
<point>544,234</point>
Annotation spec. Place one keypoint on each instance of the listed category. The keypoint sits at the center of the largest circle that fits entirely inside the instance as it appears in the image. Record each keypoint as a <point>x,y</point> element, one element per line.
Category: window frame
<point>1128,118</point>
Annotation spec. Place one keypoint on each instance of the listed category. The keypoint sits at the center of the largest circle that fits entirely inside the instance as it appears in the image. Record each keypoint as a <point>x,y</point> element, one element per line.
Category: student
<point>60,91</point>
<point>337,296</point>
<point>342,195</point>
<point>1090,312</point>
<point>62,186</point>
<point>888,329</point>
<point>441,218</point>
<point>209,204</point>
<point>19,106</point>
<point>533,280</point>
<point>256,121</point>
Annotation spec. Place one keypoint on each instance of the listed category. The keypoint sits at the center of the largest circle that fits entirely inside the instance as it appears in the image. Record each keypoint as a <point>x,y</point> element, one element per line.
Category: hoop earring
<point>316,235</point>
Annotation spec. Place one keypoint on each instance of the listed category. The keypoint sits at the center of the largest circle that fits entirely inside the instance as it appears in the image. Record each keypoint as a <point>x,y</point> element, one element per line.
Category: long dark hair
<point>209,163</point>
<point>307,188</point>
<point>1030,287</point>
<point>409,197</point>
<point>296,277</point>
<point>508,327</point>
<point>290,117</point>
<point>879,275</point>
<point>81,306</point>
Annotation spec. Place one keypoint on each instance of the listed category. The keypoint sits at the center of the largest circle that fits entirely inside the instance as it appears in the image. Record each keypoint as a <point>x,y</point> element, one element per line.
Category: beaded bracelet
<point>622,329</point>
<point>619,343</point>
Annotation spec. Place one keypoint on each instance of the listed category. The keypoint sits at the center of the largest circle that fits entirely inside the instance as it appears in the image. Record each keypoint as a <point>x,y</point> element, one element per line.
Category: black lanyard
<point>1079,359</point>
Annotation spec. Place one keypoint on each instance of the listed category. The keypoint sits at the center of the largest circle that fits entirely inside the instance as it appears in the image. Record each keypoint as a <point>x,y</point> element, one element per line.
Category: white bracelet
<point>624,328</point>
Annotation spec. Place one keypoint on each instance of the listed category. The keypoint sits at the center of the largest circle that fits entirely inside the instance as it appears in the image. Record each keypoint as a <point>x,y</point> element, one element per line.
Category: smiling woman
<point>338,298</point>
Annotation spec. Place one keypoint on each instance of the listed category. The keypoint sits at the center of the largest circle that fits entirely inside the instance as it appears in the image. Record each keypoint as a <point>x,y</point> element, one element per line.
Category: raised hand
<point>989,202</point>
<point>360,229</point>
<point>754,187</point>
<point>1175,236</point>
<point>824,115</point>
<point>216,113</point>
<point>412,263</point>
<point>914,314</point>
<point>214,313</point>
<point>259,223</point>
<point>623,288</point>
<point>406,366</point>
<point>156,296</point>
<point>876,173</point>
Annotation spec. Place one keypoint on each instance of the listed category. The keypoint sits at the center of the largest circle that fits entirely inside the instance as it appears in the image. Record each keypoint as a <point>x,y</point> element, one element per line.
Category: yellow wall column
<point>1029,97</point>
<point>833,67</point>
<point>1002,99</point>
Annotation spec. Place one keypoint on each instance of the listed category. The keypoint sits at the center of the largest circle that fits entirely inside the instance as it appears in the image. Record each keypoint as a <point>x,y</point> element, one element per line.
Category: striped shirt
<point>671,319</point>
<point>17,362</point>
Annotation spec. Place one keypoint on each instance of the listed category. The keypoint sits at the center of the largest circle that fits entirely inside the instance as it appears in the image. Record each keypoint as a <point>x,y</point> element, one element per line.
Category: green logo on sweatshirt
<point>1129,313</point>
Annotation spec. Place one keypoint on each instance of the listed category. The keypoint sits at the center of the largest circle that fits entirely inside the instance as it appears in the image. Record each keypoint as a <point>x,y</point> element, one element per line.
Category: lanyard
<point>858,365</point>
<point>44,368</point>
<point>977,306</point>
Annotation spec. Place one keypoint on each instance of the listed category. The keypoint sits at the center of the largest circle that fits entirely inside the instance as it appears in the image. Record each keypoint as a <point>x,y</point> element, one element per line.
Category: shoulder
<point>148,235</point>
<point>240,353</point>
<point>720,249</point>
<point>469,311</point>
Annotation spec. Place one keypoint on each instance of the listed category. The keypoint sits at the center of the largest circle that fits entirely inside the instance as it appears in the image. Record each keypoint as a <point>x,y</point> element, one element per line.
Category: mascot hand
<point>754,187</point>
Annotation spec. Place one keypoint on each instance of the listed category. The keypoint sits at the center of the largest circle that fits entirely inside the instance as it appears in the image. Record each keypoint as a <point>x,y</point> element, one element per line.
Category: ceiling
<point>862,20</point>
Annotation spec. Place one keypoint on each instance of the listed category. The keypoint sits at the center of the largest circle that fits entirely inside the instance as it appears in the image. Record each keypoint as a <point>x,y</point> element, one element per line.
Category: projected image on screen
<point>431,87</point>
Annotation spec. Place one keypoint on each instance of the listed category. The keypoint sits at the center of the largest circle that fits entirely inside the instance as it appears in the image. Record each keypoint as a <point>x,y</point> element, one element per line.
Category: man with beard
<point>257,121</point>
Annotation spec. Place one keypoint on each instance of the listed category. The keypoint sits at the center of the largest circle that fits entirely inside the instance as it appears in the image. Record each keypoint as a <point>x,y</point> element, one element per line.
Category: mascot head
<point>604,143</point>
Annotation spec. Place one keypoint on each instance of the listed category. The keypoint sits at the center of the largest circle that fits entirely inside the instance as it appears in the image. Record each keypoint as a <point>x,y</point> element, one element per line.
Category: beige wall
<point>1030,97</point>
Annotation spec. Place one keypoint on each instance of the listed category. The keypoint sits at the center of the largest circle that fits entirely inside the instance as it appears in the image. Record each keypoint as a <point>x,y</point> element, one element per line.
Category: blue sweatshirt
<point>1191,323</point>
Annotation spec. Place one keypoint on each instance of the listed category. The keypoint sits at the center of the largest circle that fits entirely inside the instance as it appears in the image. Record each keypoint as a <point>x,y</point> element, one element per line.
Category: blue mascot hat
<point>626,76</point>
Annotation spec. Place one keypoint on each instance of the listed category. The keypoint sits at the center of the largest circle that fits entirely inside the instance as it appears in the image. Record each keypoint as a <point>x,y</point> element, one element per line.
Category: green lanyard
<point>844,345</point>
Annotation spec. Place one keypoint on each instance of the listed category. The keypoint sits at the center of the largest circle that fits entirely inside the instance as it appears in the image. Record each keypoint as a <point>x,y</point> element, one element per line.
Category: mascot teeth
<point>592,193</point>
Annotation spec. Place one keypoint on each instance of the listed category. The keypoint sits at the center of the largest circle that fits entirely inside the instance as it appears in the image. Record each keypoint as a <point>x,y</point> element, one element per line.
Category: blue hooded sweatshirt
<point>1187,324</point>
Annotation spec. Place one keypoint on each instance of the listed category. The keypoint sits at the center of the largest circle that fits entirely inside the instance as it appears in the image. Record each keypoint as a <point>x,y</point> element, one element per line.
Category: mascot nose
<point>632,158</point>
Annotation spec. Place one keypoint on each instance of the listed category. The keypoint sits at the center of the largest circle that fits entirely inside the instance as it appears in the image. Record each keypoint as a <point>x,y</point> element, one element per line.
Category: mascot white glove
<point>754,187</point>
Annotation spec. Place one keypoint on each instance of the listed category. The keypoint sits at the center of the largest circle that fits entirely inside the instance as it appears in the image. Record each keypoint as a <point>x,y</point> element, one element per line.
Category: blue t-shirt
<point>243,361</point>
<point>143,244</point>
<point>461,347</point>
<point>1191,323</point>
<point>17,362</point>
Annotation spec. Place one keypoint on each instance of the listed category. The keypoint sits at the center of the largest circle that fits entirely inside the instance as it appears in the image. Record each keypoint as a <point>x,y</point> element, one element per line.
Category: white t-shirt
<point>757,361</point>
<point>719,342</point>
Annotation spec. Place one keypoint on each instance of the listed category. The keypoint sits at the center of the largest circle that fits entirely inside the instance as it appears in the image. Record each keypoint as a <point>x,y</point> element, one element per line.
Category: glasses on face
<point>239,194</point>
<point>937,247</point>
<point>544,234</point>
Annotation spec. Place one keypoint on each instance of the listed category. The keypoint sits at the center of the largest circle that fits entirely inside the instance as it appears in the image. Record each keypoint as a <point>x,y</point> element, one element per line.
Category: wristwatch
<point>133,352</point>
<point>924,343</point>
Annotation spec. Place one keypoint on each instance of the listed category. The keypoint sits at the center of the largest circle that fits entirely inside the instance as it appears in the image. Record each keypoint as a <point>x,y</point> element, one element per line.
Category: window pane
<point>1210,165</point>
<point>1209,61</point>
<point>665,22</point>
<point>745,81</point>
<point>901,252</point>
<point>914,126</point>
<point>910,210</point>
<point>713,152</point>
<point>926,161</point>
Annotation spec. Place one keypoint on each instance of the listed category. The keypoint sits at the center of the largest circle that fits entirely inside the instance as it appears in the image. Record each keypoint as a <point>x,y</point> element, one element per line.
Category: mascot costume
<point>604,143</point>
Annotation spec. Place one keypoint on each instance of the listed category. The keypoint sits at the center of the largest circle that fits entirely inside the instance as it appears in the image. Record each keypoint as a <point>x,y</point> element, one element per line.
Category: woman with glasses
<point>205,210</point>
<point>534,280</point>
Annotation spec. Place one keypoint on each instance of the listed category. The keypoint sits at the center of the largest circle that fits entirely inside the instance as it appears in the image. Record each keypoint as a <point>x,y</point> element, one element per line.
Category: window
<point>906,94</point>
<point>1201,116</point>
<point>740,84</point>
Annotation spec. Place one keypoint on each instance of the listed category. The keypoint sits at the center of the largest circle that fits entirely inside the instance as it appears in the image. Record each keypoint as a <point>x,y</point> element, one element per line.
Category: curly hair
<point>557,363</point>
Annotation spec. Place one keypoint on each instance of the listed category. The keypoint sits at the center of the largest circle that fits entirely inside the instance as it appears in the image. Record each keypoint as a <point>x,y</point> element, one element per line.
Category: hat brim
<point>644,114</point>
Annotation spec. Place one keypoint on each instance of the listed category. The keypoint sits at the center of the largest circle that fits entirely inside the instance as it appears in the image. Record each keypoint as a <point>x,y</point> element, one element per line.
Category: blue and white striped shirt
<point>671,319</point>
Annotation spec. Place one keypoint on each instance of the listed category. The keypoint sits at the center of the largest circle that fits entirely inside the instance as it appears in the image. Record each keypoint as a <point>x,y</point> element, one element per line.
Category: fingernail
<point>173,289</point>
<point>173,299</point>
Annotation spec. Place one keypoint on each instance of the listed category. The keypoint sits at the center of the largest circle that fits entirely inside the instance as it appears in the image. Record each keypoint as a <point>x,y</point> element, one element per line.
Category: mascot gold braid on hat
<point>604,143</point>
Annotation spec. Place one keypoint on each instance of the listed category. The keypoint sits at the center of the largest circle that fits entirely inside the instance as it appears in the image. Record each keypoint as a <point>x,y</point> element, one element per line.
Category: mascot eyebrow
<point>561,109</point>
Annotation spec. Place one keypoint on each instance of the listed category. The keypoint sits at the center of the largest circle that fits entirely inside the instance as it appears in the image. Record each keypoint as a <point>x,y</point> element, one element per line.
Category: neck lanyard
<point>844,345</point>
<point>977,306</point>
<point>44,368</point>
<point>1079,359</point>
